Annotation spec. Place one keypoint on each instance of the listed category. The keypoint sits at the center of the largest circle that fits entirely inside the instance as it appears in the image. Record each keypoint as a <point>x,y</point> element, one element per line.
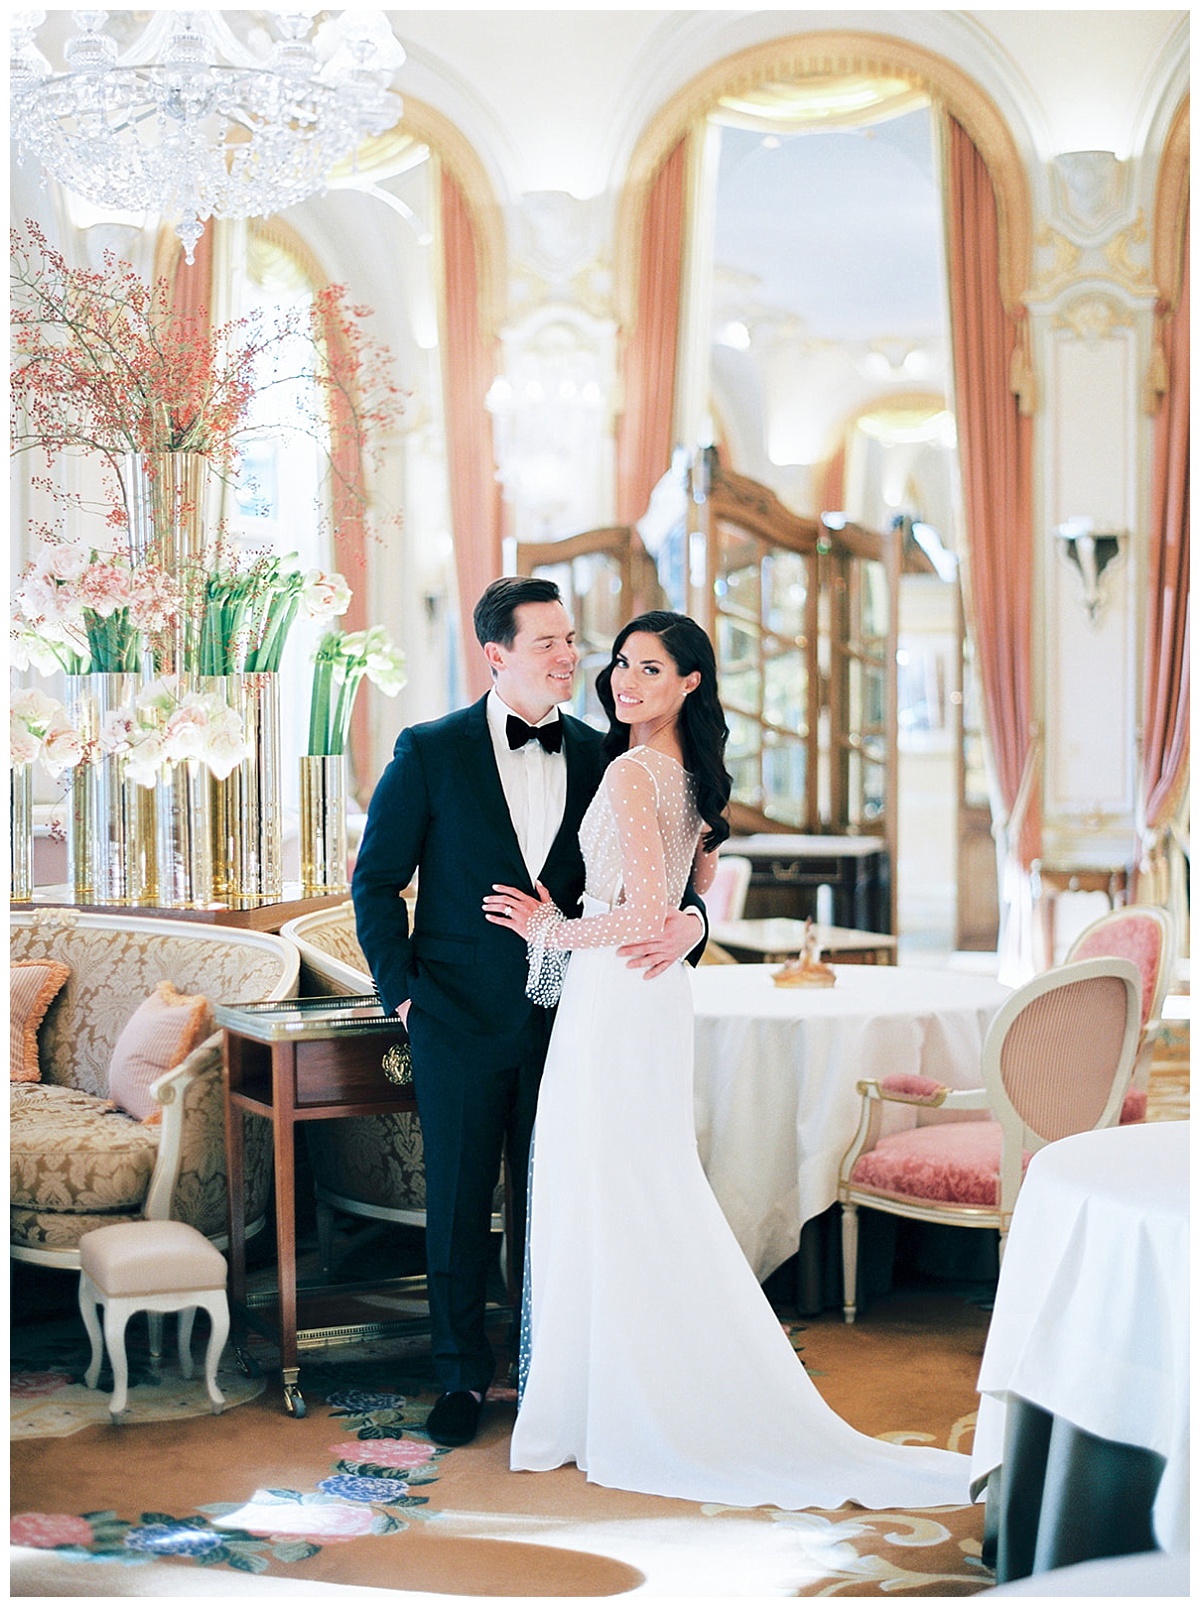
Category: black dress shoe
<point>454,1418</point>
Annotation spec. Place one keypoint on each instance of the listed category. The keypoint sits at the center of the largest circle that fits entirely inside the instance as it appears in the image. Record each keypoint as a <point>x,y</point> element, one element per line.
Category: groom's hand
<point>678,938</point>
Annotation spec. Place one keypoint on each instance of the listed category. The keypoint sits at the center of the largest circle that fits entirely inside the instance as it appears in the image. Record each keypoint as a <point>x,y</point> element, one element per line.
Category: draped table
<point>776,1069</point>
<point>1082,1438</point>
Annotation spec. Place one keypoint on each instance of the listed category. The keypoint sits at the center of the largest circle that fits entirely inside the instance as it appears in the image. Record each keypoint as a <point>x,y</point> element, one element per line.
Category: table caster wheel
<point>293,1401</point>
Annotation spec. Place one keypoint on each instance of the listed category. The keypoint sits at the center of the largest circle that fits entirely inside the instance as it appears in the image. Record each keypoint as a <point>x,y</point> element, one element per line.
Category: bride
<point>640,1306</point>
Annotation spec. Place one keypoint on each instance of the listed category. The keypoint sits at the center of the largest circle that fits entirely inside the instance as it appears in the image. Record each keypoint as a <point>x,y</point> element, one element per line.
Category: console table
<point>297,1060</point>
<point>255,918</point>
<point>787,869</point>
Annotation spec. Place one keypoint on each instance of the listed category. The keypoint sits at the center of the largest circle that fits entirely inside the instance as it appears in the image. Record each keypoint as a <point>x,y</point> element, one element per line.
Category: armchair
<point>1057,1060</point>
<point>1142,933</point>
<point>76,1163</point>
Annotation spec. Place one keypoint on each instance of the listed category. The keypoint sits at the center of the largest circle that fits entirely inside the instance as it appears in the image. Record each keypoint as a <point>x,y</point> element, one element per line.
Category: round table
<point>1089,1337</point>
<point>776,1075</point>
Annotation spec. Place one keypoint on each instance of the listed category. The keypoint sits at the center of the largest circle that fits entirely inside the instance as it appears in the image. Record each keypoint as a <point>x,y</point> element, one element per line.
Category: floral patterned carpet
<point>355,1494</point>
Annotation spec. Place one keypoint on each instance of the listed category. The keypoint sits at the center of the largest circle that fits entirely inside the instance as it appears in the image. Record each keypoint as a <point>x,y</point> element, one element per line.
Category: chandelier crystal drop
<point>192,121</point>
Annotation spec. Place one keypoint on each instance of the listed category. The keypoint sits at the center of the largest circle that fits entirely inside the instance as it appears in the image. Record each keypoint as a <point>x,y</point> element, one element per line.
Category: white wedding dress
<point>651,1357</point>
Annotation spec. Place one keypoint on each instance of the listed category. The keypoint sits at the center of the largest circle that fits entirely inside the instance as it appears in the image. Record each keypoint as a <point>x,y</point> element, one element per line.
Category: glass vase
<point>323,790</point>
<point>110,819</point>
<point>165,501</point>
<point>20,833</point>
<point>184,847</point>
<point>247,807</point>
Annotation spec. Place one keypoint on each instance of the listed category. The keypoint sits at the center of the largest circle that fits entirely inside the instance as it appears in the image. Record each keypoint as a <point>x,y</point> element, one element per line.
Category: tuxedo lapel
<point>477,760</point>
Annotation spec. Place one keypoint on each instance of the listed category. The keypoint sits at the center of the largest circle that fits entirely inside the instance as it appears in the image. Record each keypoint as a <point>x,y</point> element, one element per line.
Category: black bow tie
<point>550,736</point>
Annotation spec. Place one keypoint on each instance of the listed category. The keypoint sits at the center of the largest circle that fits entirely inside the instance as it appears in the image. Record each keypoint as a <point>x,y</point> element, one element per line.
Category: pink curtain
<point>469,371</point>
<point>349,533</point>
<point>191,285</point>
<point>1168,633</point>
<point>644,430</point>
<point>995,447</point>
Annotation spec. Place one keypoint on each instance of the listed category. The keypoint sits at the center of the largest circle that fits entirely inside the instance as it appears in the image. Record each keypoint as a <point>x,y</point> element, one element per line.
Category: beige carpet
<point>156,1500</point>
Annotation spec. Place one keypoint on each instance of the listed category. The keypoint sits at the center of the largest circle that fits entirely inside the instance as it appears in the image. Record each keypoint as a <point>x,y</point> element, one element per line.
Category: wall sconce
<point>1091,552</point>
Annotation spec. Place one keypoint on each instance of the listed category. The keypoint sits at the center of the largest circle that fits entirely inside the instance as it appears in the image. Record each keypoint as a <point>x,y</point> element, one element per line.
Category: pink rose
<point>48,1529</point>
<point>384,1453</point>
<point>315,1521</point>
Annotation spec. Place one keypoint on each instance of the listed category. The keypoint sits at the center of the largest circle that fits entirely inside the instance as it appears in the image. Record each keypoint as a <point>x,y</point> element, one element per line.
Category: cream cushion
<point>150,1258</point>
<point>69,1151</point>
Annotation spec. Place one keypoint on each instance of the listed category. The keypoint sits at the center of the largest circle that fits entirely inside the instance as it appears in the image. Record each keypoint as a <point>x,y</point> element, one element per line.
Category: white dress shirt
<point>534,783</point>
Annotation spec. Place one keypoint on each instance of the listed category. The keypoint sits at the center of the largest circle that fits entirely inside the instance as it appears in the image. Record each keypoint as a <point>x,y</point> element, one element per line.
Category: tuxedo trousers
<point>476,1099</point>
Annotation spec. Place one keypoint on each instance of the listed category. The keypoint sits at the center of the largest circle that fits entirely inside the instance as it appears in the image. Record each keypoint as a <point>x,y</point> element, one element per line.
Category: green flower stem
<point>318,718</point>
<point>345,706</point>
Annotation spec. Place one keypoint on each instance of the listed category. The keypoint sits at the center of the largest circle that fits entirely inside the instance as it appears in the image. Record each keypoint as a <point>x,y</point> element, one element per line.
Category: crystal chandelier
<point>190,121</point>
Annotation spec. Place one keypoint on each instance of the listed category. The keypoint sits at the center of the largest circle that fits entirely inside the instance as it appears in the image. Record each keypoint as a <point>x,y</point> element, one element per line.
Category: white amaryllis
<point>168,728</point>
<point>324,596</point>
<point>63,747</point>
<point>384,662</point>
<point>39,727</point>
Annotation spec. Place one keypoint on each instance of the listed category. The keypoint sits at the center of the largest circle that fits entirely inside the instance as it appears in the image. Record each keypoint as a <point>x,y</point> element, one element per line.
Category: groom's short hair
<point>496,611</point>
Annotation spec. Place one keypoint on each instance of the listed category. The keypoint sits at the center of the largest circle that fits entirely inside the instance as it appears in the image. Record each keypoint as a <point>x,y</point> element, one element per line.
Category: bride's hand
<point>509,906</point>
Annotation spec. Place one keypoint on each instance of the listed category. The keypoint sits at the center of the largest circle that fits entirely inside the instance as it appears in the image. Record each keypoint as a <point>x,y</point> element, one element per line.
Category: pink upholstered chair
<point>1141,933</point>
<point>726,898</point>
<point>1056,1060</point>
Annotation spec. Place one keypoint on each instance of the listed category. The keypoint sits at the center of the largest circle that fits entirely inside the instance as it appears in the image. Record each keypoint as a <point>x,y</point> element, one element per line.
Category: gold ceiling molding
<point>1171,206</point>
<point>1093,318</point>
<point>1116,253</point>
<point>784,108</point>
<point>803,57</point>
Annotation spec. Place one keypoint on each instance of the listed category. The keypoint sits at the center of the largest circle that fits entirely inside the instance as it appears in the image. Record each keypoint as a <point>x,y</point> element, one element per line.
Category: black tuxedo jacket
<point>440,807</point>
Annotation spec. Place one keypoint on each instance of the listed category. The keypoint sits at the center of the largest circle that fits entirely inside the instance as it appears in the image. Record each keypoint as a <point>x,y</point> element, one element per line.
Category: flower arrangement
<point>40,728</point>
<point>103,361</point>
<point>340,663</point>
<point>84,611</point>
<point>168,726</point>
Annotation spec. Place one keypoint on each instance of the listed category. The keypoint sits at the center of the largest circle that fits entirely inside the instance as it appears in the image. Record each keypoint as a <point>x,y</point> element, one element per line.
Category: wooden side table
<point>764,942</point>
<point>297,1060</point>
<point>1051,880</point>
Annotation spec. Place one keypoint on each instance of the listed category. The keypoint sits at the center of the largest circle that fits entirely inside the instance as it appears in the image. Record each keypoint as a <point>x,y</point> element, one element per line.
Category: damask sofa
<point>76,1162</point>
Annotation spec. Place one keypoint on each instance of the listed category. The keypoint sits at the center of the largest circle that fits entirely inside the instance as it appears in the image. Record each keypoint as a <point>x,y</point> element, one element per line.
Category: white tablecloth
<point>776,1069</point>
<point>1091,1316</point>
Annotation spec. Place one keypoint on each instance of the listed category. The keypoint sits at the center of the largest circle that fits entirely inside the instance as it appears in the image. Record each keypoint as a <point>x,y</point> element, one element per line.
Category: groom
<point>493,793</point>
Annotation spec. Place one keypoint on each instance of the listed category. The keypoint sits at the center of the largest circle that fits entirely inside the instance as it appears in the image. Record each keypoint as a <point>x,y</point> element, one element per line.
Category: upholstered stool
<point>150,1266</point>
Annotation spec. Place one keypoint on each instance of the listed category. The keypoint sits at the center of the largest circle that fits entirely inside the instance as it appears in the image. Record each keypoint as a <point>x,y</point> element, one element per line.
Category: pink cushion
<point>1134,1108</point>
<point>1134,937</point>
<point>161,1033</point>
<point>955,1163</point>
<point>911,1085</point>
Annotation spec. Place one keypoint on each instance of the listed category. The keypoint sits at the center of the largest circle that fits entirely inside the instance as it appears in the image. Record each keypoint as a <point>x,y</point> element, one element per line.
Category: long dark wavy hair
<point>703,732</point>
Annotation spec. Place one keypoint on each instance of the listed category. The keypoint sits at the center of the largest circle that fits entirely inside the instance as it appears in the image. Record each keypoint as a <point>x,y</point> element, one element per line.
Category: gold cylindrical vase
<point>247,807</point>
<point>165,500</point>
<point>185,874</point>
<point>323,790</point>
<point>20,833</point>
<point>110,821</point>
